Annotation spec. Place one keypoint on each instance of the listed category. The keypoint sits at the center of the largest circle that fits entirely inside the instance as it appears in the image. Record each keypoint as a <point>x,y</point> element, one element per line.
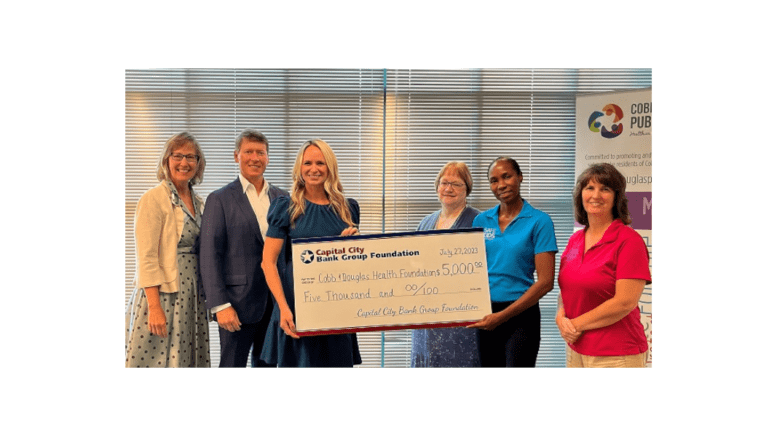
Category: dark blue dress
<point>339,350</point>
<point>446,347</point>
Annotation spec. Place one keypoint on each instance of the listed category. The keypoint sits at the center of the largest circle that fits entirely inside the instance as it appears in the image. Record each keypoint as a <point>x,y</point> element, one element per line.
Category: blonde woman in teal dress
<point>166,319</point>
<point>316,207</point>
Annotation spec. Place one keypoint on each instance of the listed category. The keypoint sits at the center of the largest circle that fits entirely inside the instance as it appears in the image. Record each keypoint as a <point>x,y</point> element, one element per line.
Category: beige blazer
<point>158,228</point>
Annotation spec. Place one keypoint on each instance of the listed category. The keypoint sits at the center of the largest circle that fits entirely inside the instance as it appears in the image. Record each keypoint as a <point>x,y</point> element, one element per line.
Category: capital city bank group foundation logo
<point>307,257</point>
<point>611,110</point>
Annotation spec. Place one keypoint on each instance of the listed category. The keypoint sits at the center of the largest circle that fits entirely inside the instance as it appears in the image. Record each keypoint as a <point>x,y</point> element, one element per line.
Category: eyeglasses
<point>455,185</point>
<point>189,158</point>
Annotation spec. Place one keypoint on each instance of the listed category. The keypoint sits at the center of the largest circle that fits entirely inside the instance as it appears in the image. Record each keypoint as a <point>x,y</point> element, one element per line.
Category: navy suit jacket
<point>231,248</point>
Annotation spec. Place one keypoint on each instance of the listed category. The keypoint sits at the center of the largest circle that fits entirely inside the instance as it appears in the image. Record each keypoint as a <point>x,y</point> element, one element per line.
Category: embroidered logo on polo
<point>489,233</point>
<point>610,110</point>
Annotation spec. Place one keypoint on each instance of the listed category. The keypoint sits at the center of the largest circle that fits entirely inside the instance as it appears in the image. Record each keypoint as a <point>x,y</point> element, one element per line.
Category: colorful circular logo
<point>616,129</point>
<point>307,257</point>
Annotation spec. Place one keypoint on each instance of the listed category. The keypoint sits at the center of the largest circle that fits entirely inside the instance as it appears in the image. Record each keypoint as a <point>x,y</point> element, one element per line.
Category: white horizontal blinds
<point>384,349</point>
<point>553,137</point>
<point>343,107</point>
<point>528,116</point>
<point>477,115</point>
<point>431,117</point>
<point>151,117</point>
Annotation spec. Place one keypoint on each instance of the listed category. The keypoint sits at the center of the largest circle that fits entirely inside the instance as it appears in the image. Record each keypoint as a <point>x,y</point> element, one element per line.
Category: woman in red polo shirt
<point>602,274</point>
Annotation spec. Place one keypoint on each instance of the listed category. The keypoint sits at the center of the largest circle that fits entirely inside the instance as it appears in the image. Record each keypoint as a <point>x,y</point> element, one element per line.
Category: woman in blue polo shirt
<point>519,240</point>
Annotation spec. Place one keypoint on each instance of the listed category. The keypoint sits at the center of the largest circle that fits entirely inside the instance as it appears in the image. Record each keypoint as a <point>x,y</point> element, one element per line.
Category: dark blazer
<point>231,248</point>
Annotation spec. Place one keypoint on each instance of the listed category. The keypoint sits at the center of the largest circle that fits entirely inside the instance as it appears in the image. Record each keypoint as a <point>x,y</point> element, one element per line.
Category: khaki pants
<point>577,360</point>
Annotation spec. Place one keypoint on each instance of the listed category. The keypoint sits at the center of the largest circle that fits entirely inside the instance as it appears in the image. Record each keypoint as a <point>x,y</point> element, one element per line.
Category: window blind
<point>392,131</point>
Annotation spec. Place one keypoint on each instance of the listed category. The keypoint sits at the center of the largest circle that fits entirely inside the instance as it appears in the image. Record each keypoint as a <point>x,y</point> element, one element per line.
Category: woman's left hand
<point>489,322</point>
<point>347,232</point>
<point>286,323</point>
<point>569,333</point>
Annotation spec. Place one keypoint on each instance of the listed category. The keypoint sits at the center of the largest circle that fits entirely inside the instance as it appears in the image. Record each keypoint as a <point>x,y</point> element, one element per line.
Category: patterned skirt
<point>187,342</point>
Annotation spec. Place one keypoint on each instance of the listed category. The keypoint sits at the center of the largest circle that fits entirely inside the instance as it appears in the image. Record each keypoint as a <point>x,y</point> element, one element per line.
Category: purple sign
<point>640,208</point>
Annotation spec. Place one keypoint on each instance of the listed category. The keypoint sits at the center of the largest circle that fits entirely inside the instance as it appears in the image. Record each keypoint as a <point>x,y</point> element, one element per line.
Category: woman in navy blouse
<point>316,207</point>
<point>448,347</point>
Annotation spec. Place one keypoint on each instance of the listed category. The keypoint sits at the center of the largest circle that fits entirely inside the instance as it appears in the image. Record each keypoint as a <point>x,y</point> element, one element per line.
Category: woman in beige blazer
<point>166,318</point>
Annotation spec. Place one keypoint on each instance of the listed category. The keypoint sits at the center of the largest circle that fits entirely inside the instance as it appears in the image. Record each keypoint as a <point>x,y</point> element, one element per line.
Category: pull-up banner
<point>617,128</point>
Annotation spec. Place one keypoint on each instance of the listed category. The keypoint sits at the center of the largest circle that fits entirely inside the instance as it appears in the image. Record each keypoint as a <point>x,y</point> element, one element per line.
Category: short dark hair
<point>610,177</point>
<point>512,162</point>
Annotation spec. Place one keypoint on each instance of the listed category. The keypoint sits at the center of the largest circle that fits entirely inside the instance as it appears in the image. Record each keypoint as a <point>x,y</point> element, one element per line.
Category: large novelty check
<point>390,281</point>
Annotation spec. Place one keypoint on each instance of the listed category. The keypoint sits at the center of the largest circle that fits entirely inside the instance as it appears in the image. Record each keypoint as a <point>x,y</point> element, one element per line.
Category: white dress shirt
<point>260,202</point>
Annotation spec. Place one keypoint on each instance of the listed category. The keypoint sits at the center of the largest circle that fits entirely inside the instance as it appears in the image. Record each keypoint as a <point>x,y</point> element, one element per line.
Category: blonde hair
<point>332,186</point>
<point>174,142</point>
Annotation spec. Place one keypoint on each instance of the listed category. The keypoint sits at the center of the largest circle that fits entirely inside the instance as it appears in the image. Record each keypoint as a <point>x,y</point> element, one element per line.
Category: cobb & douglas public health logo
<point>610,110</point>
<point>307,257</point>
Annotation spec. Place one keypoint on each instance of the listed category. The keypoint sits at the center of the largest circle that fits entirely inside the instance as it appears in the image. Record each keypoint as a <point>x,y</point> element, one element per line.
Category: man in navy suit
<point>232,235</point>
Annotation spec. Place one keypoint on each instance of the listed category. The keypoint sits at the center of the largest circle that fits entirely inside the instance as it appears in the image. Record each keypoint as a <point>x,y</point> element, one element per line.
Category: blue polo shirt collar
<point>526,211</point>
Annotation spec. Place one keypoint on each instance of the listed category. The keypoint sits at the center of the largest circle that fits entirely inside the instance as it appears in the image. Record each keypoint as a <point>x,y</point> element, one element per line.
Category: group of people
<point>224,258</point>
<point>602,274</point>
